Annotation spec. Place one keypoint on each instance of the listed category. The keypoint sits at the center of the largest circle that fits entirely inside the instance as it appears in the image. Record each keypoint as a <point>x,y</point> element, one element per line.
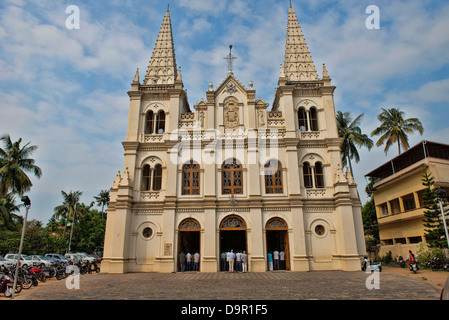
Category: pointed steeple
<point>298,64</point>
<point>162,67</point>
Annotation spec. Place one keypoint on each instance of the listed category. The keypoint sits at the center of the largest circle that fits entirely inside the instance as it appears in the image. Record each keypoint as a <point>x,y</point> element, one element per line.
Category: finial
<point>230,58</point>
<point>290,2</point>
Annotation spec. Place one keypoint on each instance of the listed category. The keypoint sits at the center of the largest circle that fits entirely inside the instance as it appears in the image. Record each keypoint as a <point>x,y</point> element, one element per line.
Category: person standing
<point>244,262</point>
<point>282,259</point>
<point>276,259</point>
<point>223,261</point>
<point>189,261</point>
<point>270,261</point>
<point>238,261</point>
<point>230,257</point>
<point>196,261</point>
<point>182,261</point>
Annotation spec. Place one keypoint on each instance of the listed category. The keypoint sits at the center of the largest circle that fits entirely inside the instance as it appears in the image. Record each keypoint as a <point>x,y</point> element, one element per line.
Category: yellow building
<point>399,195</point>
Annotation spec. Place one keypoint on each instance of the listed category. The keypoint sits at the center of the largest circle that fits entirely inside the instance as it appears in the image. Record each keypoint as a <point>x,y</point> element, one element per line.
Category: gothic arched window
<point>157,178</point>
<point>313,119</point>
<point>232,177</point>
<point>308,175</point>
<point>160,122</point>
<point>191,178</point>
<point>319,176</point>
<point>273,177</point>
<point>302,119</point>
<point>146,178</point>
<point>149,122</point>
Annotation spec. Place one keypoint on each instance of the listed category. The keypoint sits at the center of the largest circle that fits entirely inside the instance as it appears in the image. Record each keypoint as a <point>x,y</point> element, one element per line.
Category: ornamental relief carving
<point>231,114</point>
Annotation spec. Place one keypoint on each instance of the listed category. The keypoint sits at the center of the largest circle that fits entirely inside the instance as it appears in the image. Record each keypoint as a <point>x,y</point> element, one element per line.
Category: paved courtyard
<point>327,285</point>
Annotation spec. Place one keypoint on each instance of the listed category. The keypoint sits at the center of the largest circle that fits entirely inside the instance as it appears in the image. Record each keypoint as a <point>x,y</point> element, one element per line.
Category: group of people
<point>276,260</point>
<point>189,262</point>
<point>234,262</point>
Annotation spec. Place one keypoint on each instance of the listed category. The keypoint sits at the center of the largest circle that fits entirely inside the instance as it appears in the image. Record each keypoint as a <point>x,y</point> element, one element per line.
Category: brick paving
<point>279,285</point>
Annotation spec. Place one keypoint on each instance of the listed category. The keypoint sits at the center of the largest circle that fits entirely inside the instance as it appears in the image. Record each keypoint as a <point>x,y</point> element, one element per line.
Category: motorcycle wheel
<point>27,283</point>
<point>8,292</point>
<point>19,287</point>
<point>35,282</point>
<point>98,270</point>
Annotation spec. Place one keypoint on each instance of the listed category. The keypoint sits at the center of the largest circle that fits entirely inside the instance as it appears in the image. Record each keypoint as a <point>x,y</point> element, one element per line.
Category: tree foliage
<point>433,220</point>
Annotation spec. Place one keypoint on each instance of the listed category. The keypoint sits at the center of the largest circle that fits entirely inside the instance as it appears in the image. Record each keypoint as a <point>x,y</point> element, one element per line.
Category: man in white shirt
<point>282,259</point>
<point>276,259</point>
<point>238,261</point>
<point>189,261</point>
<point>230,257</point>
<point>196,262</point>
<point>244,262</point>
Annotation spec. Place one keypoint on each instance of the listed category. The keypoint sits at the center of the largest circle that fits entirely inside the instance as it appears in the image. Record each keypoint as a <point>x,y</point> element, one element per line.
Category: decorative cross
<point>230,58</point>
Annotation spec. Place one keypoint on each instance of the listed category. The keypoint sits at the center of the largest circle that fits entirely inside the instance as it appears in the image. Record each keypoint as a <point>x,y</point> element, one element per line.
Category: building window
<point>384,209</point>
<point>319,176</point>
<point>146,178</point>
<point>320,230</point>
<point>157,178</point>
<point>160,122</point>
<point>308,175</point>
<point>155,123</point>
<point>273,177</point>
<point>149,122</point>
<point>302,120</point>
<point>232,177</point>
<point>147,233</point>
<point>313,119</point>
<point>152,178</point>
<point>191,178</point>
<point>409,202</point>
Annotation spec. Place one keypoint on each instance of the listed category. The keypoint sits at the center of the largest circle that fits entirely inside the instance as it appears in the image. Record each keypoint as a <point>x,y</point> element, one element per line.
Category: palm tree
<point>394,128</point>
<point>7,209</point>
<point>14,162</point>
<point>103,200</point>
<point>352,137</point>
<point>68,209</point>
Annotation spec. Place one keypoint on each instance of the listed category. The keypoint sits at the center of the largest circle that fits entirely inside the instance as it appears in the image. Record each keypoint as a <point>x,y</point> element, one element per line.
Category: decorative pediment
<point>230,85</point>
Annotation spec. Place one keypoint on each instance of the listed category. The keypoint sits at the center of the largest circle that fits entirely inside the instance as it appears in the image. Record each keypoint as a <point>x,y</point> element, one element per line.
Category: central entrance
<point>232,237</point>
<point>188,242</point>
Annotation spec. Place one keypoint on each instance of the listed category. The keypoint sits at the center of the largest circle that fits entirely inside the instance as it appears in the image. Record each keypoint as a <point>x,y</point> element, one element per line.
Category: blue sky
<point>65,90</point>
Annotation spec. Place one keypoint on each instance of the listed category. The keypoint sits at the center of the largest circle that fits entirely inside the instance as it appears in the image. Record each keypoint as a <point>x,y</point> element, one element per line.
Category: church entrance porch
<point>277,244</point>
<point>232,237</point>
<point>188,242</point>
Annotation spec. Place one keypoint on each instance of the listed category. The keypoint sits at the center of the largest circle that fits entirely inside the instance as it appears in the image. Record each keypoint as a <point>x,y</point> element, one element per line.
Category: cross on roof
<point>229,58</point>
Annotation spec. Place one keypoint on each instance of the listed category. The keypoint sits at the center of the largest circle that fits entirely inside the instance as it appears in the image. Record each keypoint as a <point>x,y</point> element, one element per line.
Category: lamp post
<point>26,201</point>
<point>441,195</point>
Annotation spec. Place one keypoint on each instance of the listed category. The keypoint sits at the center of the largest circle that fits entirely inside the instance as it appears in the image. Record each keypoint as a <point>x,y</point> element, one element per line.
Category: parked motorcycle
<point>6,285</point>
<point>414,267</point>
<point>401,262</point>
<point>373,266</point>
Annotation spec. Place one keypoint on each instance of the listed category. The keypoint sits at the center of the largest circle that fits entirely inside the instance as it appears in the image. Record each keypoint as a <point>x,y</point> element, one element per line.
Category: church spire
<point>298,64</point>
<point>162,67</point>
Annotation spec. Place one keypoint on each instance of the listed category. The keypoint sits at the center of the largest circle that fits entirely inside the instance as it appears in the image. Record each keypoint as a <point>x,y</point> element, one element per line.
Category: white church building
<point>232,172</point>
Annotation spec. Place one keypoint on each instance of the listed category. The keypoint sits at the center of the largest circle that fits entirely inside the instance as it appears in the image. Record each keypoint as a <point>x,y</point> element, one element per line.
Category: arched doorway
<point>277,239</point>
<point>232,236</point>
<point>188,242</point>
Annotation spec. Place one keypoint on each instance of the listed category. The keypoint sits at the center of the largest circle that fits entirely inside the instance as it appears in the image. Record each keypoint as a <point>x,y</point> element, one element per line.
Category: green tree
<point>352,137</point>
<point>8,207</point>
<point>103,200</point>
<point>369,218</point>
<point>433,221</point>
<point>69,209</point>
<point>14,164</point>
<point>395,129</point>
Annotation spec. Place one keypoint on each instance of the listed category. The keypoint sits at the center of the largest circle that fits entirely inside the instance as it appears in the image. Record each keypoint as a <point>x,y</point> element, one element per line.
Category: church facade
<point>231,174</point>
